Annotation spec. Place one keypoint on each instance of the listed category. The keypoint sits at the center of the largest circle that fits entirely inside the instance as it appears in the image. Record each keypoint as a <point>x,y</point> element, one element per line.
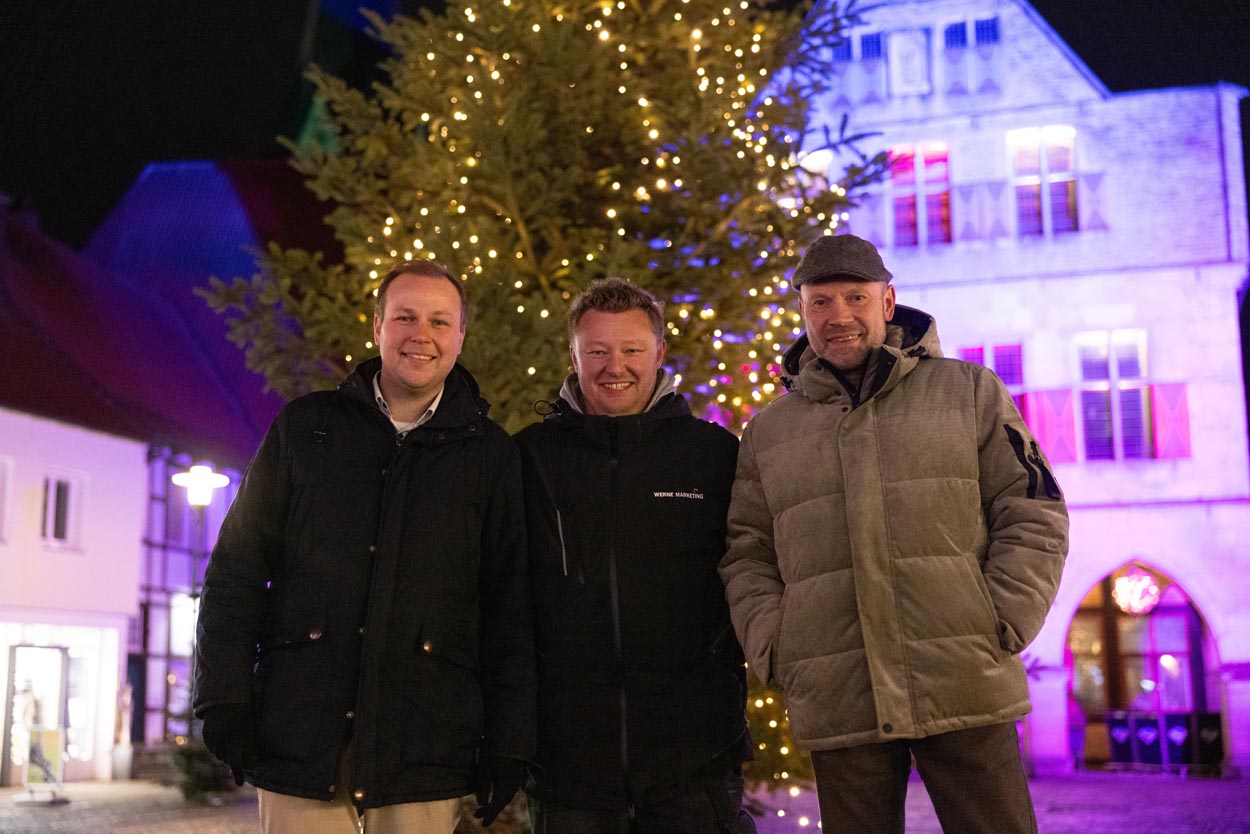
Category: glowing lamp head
<point>1136,592</point>
<point>200,481</point>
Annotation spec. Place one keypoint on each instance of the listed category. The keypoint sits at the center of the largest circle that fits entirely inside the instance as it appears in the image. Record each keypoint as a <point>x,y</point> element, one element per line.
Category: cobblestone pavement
<point>1085,804</point>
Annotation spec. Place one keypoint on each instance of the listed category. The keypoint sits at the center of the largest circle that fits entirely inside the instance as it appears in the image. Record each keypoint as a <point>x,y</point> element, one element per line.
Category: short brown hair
<point>616,295</point>
<point>425,269</point>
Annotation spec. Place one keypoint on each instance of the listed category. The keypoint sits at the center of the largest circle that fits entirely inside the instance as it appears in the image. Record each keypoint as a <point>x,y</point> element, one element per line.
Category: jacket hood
<point>911,333</point>
<point>462,400</point>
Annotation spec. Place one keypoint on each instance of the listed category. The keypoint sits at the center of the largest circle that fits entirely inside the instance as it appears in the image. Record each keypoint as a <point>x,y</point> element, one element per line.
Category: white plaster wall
<point>101,572</point>
<point>1168,194</point>
<point>1036,70</point>
<point>1190,317</point>
<point>1203,546</point>
<point>92,587</point>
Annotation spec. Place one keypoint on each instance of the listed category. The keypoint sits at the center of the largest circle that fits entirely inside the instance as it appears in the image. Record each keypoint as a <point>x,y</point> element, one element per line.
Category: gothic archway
<point>1142,691</point>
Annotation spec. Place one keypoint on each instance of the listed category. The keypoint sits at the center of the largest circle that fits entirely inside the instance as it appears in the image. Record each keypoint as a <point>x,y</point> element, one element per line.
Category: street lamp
<point>200,481</point>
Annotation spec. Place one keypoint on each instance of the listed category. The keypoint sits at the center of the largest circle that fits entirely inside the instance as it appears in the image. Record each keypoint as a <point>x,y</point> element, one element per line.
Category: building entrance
<point>34,715</point>
<point>1140,694</point>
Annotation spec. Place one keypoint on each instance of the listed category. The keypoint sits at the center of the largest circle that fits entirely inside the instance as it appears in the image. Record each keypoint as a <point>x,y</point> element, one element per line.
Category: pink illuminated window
<point>920,194</point>
<point>1005,360</point>
<point>1043,167</point>
<point>1008,362</point>
<point>1115,401</point>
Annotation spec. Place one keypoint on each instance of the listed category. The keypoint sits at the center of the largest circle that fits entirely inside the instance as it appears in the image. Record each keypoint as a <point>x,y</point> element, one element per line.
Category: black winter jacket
<point>641,679</point>
<point>374,589</point>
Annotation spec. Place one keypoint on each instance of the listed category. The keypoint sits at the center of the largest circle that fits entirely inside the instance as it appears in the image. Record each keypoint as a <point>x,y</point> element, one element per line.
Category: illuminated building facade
<point>1091,248</point>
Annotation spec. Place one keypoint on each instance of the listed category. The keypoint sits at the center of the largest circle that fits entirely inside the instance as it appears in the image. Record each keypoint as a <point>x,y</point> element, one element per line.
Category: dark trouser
<point>713,806</point>
<point>974,777</point>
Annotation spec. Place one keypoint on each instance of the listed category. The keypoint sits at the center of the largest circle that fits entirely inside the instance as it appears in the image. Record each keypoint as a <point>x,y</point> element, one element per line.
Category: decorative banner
<point>909,63</point>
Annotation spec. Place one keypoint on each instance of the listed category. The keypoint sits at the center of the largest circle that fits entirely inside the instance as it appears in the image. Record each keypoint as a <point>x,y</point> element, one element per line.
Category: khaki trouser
<point>283,814</point>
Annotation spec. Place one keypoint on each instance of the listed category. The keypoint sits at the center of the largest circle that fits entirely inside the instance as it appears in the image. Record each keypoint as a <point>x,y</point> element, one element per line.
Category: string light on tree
<point>477,150</point>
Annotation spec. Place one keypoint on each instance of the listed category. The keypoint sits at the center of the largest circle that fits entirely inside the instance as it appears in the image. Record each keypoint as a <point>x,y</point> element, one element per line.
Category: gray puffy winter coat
<point>888,560</point>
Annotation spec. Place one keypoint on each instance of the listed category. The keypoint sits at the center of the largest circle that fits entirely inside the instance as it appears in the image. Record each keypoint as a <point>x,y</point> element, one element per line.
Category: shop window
<point>920,194</point>
<point>62,497</point>
<point>1043,164</point>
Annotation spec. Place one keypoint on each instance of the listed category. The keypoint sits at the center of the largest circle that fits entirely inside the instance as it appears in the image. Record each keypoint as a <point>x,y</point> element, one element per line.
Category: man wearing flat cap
<point>895,541</point>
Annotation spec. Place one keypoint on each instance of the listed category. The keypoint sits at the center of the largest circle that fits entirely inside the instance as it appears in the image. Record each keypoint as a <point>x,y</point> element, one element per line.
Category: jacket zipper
<point>616,614</point>
<point>353,741</point>
<point>564,556</point>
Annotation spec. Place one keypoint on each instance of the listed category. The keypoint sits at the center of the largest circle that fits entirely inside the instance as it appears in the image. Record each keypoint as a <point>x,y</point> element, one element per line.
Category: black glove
<point>498,780</point>
<point>229,733</point>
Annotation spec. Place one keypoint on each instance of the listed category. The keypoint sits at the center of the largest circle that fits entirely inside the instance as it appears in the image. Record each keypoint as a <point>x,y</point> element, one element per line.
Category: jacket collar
<point>910,336</point>
<point>461,405</point>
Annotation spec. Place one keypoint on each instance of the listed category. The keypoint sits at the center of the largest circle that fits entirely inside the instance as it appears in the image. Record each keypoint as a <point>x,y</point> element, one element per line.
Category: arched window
<point>1137,643</point>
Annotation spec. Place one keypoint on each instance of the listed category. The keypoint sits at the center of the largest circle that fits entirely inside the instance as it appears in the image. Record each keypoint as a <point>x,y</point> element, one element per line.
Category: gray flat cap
<point>840,256</point>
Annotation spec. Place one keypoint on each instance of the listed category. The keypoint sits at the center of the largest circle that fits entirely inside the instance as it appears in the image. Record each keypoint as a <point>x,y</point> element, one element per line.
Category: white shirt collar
<point>401,427</point>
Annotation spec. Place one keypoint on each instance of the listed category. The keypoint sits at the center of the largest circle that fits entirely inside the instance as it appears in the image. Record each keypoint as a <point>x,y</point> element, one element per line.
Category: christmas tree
<point>534,145</point>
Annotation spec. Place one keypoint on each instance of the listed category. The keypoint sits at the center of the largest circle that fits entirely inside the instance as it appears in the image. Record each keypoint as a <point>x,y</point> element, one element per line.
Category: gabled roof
<point>83,347</point>
<point>182,223</point>
<point>1077,62</point>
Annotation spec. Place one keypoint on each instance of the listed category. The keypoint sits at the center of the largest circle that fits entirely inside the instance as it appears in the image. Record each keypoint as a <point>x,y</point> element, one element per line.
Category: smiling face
<point>616,356</point>
<point>846,319</point>
<point>419,334</point>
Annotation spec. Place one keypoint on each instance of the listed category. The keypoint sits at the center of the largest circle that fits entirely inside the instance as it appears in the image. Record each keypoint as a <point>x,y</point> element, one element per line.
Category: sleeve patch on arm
<point>1033,463</point>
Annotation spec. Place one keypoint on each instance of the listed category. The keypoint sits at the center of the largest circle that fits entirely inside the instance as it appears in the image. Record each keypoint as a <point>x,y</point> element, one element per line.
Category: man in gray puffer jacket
<point>895,541</point>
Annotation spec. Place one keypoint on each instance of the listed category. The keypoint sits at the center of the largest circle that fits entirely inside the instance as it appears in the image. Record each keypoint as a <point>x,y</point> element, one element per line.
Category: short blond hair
<point>616,295</point>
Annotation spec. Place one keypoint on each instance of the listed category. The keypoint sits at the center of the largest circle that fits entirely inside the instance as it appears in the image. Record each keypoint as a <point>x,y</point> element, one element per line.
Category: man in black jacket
<point>642,688</point>
<point>364,642</point>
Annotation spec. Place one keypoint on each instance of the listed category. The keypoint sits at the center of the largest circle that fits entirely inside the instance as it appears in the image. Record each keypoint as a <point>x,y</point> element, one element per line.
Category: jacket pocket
<point>439,645</point>
<point>287,690</point>
<point>989,614</point>
<point>440,700</point>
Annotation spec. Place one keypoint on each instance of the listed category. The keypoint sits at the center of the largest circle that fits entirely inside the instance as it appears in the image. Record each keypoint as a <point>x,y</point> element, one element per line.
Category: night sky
<point>91,91</point>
